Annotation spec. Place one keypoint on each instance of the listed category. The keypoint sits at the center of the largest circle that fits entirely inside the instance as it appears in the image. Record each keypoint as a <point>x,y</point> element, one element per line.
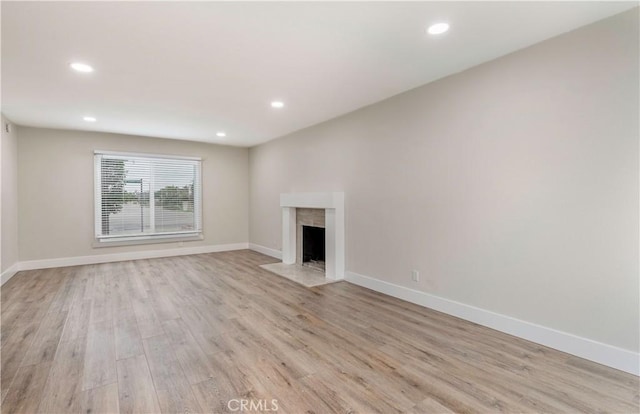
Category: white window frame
<point>128,239</point>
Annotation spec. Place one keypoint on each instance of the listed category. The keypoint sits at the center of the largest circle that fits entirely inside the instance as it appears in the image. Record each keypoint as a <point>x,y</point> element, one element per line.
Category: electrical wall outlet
<point>415,275</point>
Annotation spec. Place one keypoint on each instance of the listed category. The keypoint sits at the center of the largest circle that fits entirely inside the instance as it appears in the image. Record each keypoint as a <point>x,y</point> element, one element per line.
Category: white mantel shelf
<point>312,200</point>
<point>333,204</point>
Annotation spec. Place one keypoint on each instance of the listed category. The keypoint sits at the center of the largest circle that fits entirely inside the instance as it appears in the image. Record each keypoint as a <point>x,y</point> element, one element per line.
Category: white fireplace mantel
<point>333,204</point>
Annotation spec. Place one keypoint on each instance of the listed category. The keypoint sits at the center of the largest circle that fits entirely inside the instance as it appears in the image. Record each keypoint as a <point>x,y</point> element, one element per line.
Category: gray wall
<point>512,186</point>
<point>9,197</point>
<point>56,190</point>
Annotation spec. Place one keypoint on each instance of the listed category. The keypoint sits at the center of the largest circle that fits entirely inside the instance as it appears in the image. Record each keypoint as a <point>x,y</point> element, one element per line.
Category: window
<point>141,197</point>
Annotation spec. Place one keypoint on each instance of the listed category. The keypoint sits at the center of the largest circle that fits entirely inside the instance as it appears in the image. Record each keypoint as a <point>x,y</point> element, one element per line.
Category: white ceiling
<point>187,70</point>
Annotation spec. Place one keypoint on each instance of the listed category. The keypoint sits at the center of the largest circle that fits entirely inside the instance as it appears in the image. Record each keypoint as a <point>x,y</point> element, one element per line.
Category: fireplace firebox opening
<point>313,247</point>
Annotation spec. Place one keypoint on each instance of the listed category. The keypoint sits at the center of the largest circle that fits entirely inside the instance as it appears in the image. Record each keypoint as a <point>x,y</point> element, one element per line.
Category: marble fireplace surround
<point>333,205</point>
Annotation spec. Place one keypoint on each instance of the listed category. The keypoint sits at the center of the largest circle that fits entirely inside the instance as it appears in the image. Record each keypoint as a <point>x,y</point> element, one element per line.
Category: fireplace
<point>324,210</point>
<point>313,247</point>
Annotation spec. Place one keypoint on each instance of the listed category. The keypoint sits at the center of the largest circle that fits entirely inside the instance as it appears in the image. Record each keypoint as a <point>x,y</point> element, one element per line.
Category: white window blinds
<point>146,196</point>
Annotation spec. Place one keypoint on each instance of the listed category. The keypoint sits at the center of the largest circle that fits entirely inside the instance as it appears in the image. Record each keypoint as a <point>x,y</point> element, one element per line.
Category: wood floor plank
<point>290,396</point>
<point>45,342</point>
<point>330,394</point>
<point>136,393</point>
<point>174,391</point>
<point>100,400</point>
<point>135,276</point>
<point>77,324</point>
<point>210,398</point>
<point>232,380</point>
<point>65,378</point>
<point>16,312</point>
<point>161,301</point>
<point>14,343</point>
<point>195,363</point>
<point>128,340</point>
<point>26,390</point>
<point>256,347</point>
<point>24,324</point>
<point>61,302</point>
<point>148,322</point>
<point>356,392</point>
<point>100,356</point>
<point>101,306</point>
<point>429,405</point>
<point>120,289</point>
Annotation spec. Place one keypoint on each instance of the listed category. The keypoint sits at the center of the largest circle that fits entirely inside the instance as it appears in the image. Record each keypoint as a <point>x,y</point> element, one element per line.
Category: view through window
<point>146,196</point>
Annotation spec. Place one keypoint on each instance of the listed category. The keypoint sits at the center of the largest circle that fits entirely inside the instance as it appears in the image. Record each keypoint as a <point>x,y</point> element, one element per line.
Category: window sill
<point>126,241</point>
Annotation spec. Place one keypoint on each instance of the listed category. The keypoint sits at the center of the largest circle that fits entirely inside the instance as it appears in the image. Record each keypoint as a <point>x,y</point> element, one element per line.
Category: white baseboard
<point>604,354</point>
<point>265,250</point>
<point>8,274</point>
<point>119,257</point>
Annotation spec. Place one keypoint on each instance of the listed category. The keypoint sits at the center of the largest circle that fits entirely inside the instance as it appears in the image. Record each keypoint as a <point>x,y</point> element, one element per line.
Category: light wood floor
<point>189,334</point>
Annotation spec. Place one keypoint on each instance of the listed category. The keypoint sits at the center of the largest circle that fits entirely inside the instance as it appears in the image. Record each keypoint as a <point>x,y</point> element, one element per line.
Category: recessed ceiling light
<point>277,104</point>
<point>438,28</point>
<point>221,134</point>
<point>81,67</point>
<point>90,119</point>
